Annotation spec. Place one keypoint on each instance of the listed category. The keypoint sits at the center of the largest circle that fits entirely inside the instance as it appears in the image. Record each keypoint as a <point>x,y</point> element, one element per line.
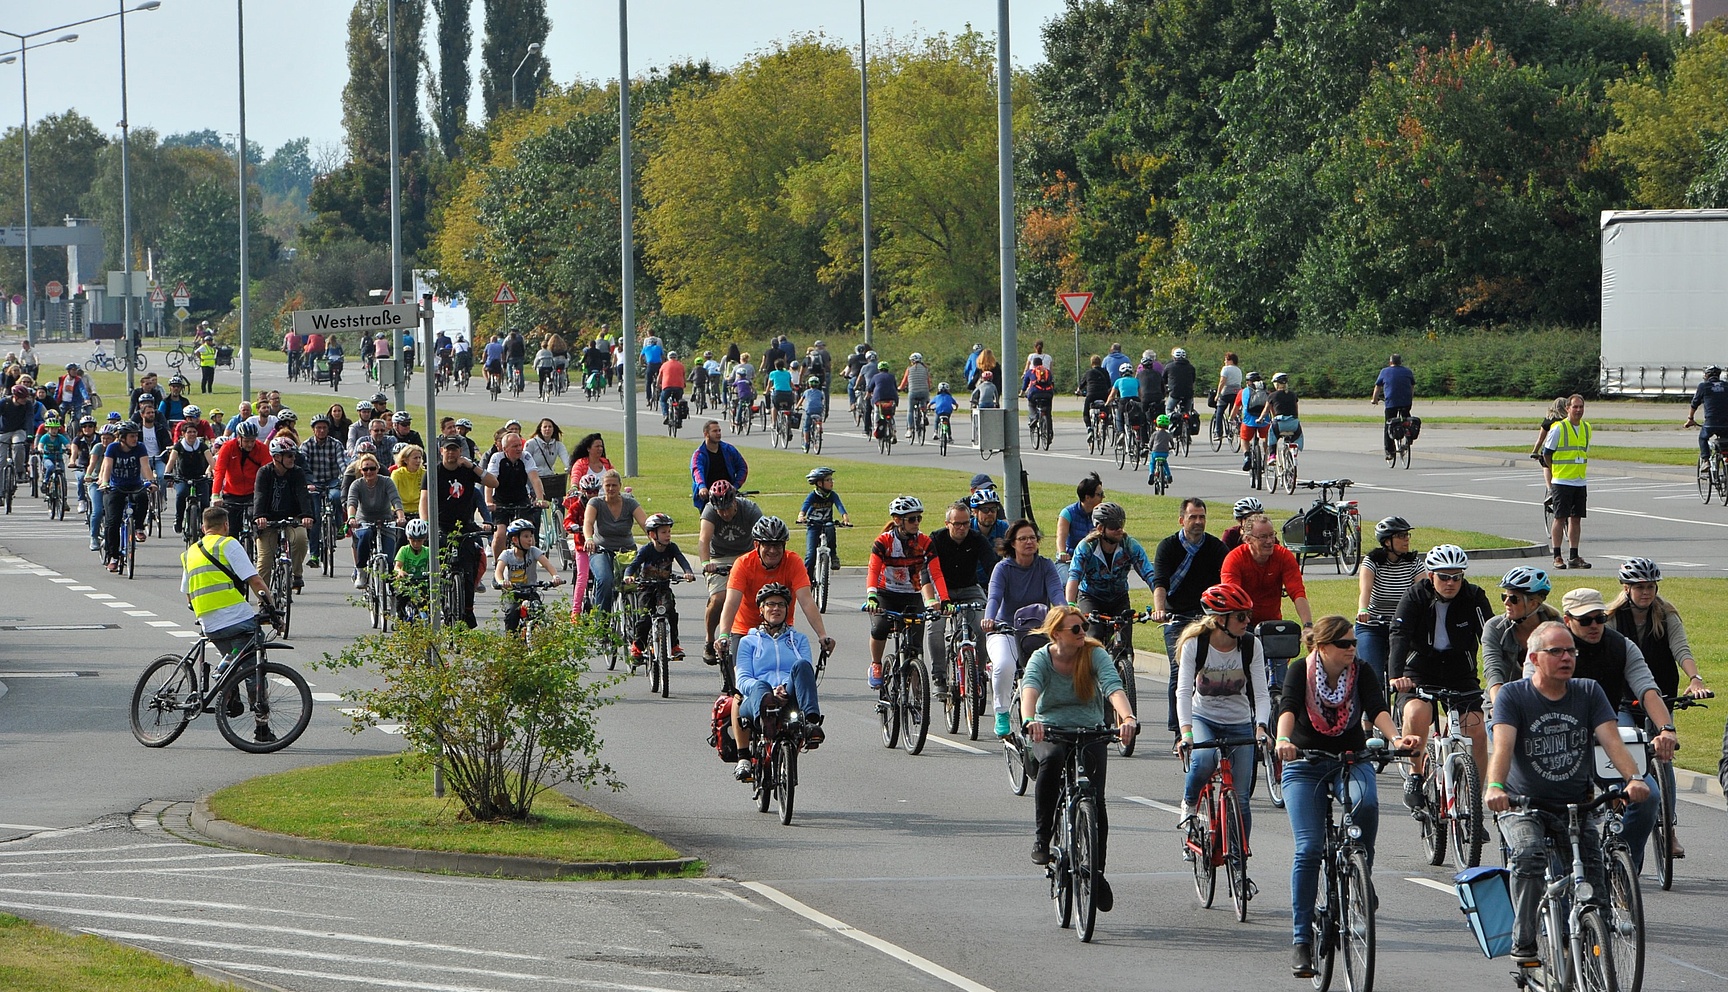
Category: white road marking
<point>894,951</point>
<point>1436,886</point>
<point>392,729</point>
<point>80,588</point>
<point>956,745</point>
<point>200,904</point>
<point>98,596</point>
<point>1687,964</point>
<point>183,633</point>
<point>121,606</point>
<point>26,851</point>
<point>23,826</point>
<point>63,582</point>
<point>163,623</point>
<point>38,675</point>
<point>1155,804</point>
<point>139,613</point>
<point>326,697</point>
<point>1522,502</point>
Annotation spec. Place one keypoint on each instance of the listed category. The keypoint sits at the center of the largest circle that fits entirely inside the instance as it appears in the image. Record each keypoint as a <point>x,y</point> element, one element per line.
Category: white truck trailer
<point>1664,300</point>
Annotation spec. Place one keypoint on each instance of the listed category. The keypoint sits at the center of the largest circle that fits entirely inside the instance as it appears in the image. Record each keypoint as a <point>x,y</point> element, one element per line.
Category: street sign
<point>505,294</point>
<point>180,289</point>
<point>1075,303</point>
<point>182,313</point>
<point>394,317</point>
<point>182,301</point>
<point>55,289</point>
<point>158,297</point>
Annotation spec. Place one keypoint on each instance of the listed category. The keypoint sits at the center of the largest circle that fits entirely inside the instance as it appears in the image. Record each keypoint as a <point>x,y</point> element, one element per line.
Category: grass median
<point>1687,457</point>
<point>364,801</point>
<point>35,958</point>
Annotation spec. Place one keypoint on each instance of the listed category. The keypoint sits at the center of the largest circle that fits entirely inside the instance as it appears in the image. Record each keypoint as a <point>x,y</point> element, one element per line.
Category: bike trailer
<point>1311,531</point>
<point>1485,897</point>
<point>720,736</point>
<point>225,357</point>
<point>1279,638</point>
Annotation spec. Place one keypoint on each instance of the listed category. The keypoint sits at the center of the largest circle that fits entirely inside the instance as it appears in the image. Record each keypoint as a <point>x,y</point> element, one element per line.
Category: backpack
<point>1041,379</point>
<point>1256,402</point>
<point>720,736</point>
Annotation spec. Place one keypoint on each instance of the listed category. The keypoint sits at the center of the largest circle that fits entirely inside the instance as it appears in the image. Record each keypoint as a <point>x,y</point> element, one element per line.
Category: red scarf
<point>1331,719</point>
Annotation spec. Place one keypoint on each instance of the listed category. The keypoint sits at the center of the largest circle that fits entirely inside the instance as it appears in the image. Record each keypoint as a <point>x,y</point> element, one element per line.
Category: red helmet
<point>1226,597</point>
<point>721,492</point>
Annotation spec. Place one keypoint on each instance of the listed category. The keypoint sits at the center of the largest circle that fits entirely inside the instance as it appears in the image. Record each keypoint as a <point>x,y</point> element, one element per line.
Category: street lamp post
<point>627,237</point>
<point>864,129</point>
<point>245,244</point>
<point>1011,488</point>
<point>29,254</point>
<point>395,209</point>
<point>533,50</point>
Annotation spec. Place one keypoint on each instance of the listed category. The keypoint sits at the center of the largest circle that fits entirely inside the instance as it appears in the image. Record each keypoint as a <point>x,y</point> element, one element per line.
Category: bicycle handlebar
<point>918,617</point>
<point>1450,697</point>
<point>1079,735</point>
<point>1612,793</point>
<point>1120,620</point>
<point>1221,744</point>
<point>1380,755</point>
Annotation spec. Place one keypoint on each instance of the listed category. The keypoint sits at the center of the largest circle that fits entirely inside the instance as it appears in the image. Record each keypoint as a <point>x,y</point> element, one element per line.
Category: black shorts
<point>1569,501</point>
<point>882,627</point>
<point>1462,709</point>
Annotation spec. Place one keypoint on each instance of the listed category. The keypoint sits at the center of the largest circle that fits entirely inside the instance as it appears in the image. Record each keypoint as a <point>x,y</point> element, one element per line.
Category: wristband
<point>1284,740</point>
<point>1187,735</point>
<point>1496,785</point>
<point>1697,678</point>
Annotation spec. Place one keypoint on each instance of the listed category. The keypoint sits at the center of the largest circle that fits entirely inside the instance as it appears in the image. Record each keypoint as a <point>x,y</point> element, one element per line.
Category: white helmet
<point>905,506</point>
<point>1179,353</point>
<point>1447,556</point>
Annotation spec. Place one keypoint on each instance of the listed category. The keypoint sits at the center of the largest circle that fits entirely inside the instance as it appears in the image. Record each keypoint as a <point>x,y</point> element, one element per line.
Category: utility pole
<point>1012,493</point>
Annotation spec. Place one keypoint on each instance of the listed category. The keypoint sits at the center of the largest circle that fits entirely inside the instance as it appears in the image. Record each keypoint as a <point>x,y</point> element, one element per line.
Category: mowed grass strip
<point>1687,457</point>
<point>364,801</point>
<point>36,958</point>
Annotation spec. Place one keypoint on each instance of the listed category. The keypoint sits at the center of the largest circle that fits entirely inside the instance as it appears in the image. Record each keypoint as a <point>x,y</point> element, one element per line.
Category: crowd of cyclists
<point>1532,686</point>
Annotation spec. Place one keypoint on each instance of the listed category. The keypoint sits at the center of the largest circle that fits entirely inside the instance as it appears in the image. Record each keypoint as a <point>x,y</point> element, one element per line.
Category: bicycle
<point>1337,524</point>
<point>1399,427</point>
<point>282,572</point>
<point>177,356</point>
<point>813,433</point>
<point>1043,429</point>
<point>1186,424</point>
<point>782,428</point>
<point>9,472</point>
<point>1079,844</point>
<point>1280,641</point>
<point>675,410</point>
<point>1713,472</point>
<point>153,522</point>
<point>1451,785</point>
<point>1216,835</point>
<point>918,423</point>
<point>35,474</point>
<point>1662,837</point>
<point>780,733</point>
<point>1284,465</point>
<point>653,597</point>
<point>1256,453</point>
<point>1122,655</point>
<point>494,384</point>
<point>904,708</point>
<point>825,558</point>
<point>593,386</point>
<point>192,509</point>
<point>968,688</point>
<point>1097,438</point>
<point>1345,901</point>
<point>887,435</point>
<point>1624,905</point>
<point>330,526</point>
<point>175,689</point>
<point>1574,945</point>
<point>128,544</point>
<point>380,567</point>
<point>99,359</point>
<point>55,488</point>
<point>523,600</point>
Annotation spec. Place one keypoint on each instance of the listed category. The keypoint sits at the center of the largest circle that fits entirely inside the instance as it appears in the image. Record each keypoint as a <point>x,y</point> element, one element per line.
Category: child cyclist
<point>746,398</point>
<point>814,403</point>
<point>1162,442</point>
<point>652,567</point>
<point>518,569</point>
<point>55,447</point>
<point>942,407</point>
<point>818,516</point>
<point>413,563</point>
<point>575,506</point>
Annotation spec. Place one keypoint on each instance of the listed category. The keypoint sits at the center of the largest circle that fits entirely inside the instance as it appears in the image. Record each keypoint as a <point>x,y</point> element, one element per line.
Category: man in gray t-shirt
<point>725,534</point>
<point>1544,728</point>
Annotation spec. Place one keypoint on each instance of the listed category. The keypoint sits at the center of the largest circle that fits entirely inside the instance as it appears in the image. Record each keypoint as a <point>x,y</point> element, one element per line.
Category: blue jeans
<point>1305,788</point>
<point>803,688</point>
<point>1201,764</point>
<point>98,503</point>
<point>364,536</point>
<point>1372,644</point>
<point>604,568</point>
<point>1640,818</point>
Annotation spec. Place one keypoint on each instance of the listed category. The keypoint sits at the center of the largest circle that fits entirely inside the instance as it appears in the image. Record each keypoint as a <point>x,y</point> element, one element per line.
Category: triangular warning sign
<point>1075,303</point>
<point>507,295</point>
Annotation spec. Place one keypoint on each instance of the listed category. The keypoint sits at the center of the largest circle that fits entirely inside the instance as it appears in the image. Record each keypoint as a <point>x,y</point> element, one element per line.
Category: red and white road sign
<point>1075,303</point>
<point>505,294</point>
<point>181,290</point>
<point>55,289</point>
<point>158,297</point>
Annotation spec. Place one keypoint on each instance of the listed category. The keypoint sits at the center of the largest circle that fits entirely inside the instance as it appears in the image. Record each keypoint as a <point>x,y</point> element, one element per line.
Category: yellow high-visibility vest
<point>1572,455</point>
<point>208,588</point>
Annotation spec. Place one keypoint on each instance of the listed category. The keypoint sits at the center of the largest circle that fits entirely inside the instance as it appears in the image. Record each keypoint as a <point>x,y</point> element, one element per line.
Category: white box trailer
<point>1664,300</point>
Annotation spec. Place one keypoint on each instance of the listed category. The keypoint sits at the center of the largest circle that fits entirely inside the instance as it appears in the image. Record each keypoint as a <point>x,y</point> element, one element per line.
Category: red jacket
<point>1267,583</point>
<point>236,471</point>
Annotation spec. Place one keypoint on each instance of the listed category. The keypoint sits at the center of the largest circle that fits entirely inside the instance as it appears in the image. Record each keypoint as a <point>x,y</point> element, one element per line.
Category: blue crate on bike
<point>1485,896</point>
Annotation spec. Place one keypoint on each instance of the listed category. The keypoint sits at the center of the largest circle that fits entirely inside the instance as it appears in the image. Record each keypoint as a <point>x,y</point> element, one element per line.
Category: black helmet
<point>771,530</point>
<point>774,589</point>
<point>1108,514</point>
<point>1384,530</point>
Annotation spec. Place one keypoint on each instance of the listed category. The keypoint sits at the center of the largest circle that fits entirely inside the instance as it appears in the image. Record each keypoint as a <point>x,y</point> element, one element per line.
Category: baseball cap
<point>1582,602</point>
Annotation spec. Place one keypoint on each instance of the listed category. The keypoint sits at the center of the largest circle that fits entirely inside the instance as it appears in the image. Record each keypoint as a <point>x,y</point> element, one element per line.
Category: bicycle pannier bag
<point>1485,896</point>
<point>1280,638</point>
<point>1319,528</point>
<point>1193,424</point>
<point>1415,428</point>
<point>720,737</point>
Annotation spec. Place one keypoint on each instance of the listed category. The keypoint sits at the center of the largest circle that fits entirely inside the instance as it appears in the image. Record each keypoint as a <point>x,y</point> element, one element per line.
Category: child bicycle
<point>175,689</point>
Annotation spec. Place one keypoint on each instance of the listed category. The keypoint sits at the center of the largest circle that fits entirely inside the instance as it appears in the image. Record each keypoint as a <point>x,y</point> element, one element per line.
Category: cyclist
<point>812,406</point>
<point>768,562</point>
<point>324,460</point>
<point>516,351</point>
<point>516,495</point>
<point>671,382</point>
<point>1254,402</point>
<point>126,476</point>
<point>1184,565</point>
<point>189,463</point>
<point>818,516</point>
<point>988,523</point>
<point>1075,520</point>
<point>1284,419</point>
<point>20,416</point>
<point>725,535</point>
<point>595,362</point>
<point>92,491</point>
<point>1269,572</point>
<point>1245,507</point>
<point>360,428</point>
<point>986,396</point>
<point>773,658</point>
<point>1396,385</point>
<point>653,356</point>
<point>1070,682</point>
<point>900,577</point>
<point>1098,575</point>
<point>1124,402</point>
<point>280,493</point>
<point>884,397</point>
<point>609,524</point>
<point>371,502</point>
<point>1712,395</point>
<point>714,461</point>
<point>455,482</point>
<point>1151,375</point>
<point>1023,587</point>
<point>518,569</point>
<point>1326,700</point>
<point>53,445</point>
<point>73,389</point>
<point>402,429</point>
<point>1506,638</point>
<point>1038,386</point>
<point>653,562</point>
<point>1094,392</point>
<point>1224,394</point>
<point>1221,692</point>
<point>1433,646</point>
<point>1179,384</point>
<point>215,576</point>
<point>1543,730</point>
<point>1160,444</point>
<point>543,360</point>
<point>494,359</point>
<point>965,560</point>
<point>195,419</point>
<point>173,406</point>
<point>575,508</point>
<point>942,407</point>
<point>1388,572</point>
<point>83,444</point>
<point>916,382</point>
<point>1115,363</point>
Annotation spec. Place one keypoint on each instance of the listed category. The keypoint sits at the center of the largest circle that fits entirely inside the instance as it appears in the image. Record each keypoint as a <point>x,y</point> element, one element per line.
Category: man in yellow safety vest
<point>1568,454</point>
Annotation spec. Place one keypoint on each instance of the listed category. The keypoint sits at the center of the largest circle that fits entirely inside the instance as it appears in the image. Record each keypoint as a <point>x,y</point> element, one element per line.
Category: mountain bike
<point>826,556</point>
<point>1078,847</point>
<point>282,572</point>
<point>968,687</point>
<point>1331,528</point>
<point>904,708</point>
<point>1573,941</point>
<point>1216,835</point>
<point>1122,655</point>
<point>175,689</point>
<point>780,733</point>
<point>1451,786</point>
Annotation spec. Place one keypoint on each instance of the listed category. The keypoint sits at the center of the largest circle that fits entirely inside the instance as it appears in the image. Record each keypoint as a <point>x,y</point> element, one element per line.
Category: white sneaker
<point>744,771</point>
<point>1188,813</point>
<point>359,579</point>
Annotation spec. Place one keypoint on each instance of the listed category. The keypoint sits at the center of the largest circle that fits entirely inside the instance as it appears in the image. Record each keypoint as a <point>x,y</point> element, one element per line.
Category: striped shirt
<point>1392,579</point>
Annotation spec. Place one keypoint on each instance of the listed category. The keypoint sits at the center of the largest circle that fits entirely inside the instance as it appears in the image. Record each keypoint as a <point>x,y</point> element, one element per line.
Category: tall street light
<point>1011,487</point>
<point>533,50</point>
<point>23,60</point>
<point>627,237</point>
<point>245,244</point>
<point>864,118</point>
<point>396,210</point>
<point>126,198</point>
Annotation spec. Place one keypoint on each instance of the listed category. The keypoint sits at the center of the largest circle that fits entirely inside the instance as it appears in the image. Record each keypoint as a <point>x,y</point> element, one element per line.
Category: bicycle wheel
<point>954,699</point>
<point>1233,427</point>
<point>1325,928</point>
<point>1434,830</point>
<point>280,703</point>
<point>282,591</point>
<point>130,544</point>
<point>888,709</point>
<point>1235,853</point>
<point>1466,823</point>
<point>159,713</point>
<point>1350,552</point>
<point>972,673</point>
<point>1013,748</point>
<point>1256,465</point>
<point>1596,973</point>
<point>785,778</point>
<point>1062,872</point>
<point>663,656</point>
<point>1404,453</point>
<point>1287,468</point>
<point>1662,836</point>
<point>816,441</point>
<point>1624,910</point>
<point>915,703</point>
<point>1720,473</point>
<point>329,527</point>
<point>1275,478</point>
<point>1217,432</point>
<point>764,785</point>
<point>824,575</point>
<point>375,596</point>
<point>1274,767</point>
<point>942,434</point>
<point>1125,668</point>
<point>1085,858</point>
<point>1205,859</point>
<point>1356,924</point>
<point>1119,447</point>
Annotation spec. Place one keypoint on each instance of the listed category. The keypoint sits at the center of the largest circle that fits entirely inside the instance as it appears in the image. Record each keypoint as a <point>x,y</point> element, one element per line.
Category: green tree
<point>1665,121</point>
<point>200,246</point>
<point>160,173</point>
<point>64,150</point>
<point>511,26</point>
<point>366,96</point>
<point>448,89</point>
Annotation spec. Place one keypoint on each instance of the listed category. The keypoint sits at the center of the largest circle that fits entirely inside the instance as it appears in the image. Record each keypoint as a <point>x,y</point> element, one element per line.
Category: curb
<point>229,834</point>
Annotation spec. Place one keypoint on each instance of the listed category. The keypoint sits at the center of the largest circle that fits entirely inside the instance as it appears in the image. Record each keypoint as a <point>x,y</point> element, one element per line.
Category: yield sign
<point>505,294</point>
<point>1076,304</point>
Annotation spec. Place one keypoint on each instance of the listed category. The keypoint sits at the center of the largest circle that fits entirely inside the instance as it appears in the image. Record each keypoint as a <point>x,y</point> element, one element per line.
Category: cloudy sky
<point>182,72</point>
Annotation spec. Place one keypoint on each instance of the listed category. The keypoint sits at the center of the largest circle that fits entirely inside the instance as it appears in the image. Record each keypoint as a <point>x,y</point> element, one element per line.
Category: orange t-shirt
<point>748,576</point>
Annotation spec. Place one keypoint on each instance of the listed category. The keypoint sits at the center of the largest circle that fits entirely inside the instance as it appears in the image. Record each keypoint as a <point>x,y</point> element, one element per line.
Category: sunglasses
<point>369,468</point>
<point>1075,629</point>
<point>1511,597</point>
<point>1348,642</point>
<point>1448,576</point>
<point>1592,619</point>
<point>1240,616</point>
<point>916,518</point>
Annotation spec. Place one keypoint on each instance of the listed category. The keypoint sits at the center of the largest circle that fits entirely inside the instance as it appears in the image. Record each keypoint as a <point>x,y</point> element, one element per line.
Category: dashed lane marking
<point>1431,884</point>
<point>184,633</point>
<point>140,613</point>
<point>121,606</point>
<point>63,581</point>
<point>956,745</point>
<point>98,596</point>
<point>1155,804</point>
<point>80,588</point>
<point>162,623</point>
<point>326,697</point>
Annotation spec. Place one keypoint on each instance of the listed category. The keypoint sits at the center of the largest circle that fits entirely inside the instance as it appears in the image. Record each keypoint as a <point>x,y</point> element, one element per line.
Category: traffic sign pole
<point>1076,304</point>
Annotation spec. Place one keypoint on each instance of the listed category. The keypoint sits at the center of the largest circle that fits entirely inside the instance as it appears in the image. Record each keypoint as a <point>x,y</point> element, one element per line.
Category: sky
<point>182,73</point>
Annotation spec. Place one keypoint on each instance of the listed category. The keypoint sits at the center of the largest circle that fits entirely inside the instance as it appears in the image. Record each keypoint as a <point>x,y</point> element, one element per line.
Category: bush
<point>505,717</point>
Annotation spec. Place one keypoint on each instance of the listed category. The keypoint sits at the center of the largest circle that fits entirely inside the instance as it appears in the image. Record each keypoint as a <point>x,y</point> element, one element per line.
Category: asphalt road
<point>898,871</point>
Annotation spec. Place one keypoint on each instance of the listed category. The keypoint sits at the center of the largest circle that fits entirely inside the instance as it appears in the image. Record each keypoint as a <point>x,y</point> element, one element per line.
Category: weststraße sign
<point>381,317</point>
